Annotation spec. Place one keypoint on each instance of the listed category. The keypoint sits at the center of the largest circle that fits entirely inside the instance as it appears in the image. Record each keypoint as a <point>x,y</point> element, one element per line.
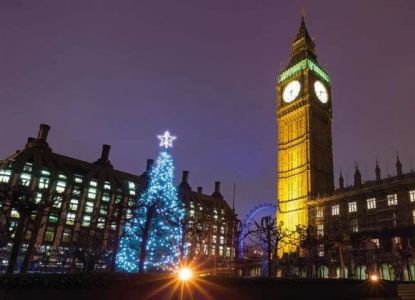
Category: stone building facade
<point>77,209</point>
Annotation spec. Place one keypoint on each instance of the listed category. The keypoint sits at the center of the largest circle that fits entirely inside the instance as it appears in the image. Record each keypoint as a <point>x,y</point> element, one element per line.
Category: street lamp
<point>185,274</point>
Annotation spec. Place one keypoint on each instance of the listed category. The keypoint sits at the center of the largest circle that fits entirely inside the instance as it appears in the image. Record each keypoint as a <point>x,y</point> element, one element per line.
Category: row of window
<point>354,227</point>
<point>61,184</point>
<point>374,243</point>
<point>392,200</point>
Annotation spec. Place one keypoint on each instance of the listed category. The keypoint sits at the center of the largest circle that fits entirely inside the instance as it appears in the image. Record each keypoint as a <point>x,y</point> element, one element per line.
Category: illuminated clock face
<point>291,91</point>
<point>321,92</point>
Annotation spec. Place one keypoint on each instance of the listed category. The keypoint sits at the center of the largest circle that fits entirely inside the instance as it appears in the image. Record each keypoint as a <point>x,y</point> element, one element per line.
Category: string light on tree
<point>152,237</point>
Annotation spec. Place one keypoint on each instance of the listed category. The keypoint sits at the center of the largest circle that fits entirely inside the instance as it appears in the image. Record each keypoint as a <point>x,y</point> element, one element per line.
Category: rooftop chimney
<point>43,132</point>
<point>377,172</point>
<point>357,177</point>
<point>185,176</point>
<point>217,193</point>
<point>398,166</point>
<point>105,152</point>
<point>217,186</point>
<point>150,163</point>
<point>341,181</point>
<point>199,190</point>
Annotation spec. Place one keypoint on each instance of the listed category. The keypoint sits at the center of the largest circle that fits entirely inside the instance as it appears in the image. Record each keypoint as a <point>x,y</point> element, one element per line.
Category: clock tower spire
<point>304,117</point>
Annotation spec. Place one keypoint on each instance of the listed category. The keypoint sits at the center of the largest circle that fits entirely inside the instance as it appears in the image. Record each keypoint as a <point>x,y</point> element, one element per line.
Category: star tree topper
<point>166,140</point>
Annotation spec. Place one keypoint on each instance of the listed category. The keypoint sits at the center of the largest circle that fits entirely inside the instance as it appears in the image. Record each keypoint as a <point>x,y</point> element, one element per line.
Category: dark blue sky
<point>121,72</point>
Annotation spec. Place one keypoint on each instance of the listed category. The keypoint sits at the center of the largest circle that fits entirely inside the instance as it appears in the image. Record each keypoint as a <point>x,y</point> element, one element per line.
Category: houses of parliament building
<point>358,231</point>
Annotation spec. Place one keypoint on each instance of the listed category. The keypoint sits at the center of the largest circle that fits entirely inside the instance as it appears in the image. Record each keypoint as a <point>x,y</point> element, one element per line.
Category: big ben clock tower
<point>304,116</point>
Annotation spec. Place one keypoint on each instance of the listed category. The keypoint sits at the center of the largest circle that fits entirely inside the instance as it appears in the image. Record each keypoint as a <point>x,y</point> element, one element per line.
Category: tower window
<point>412,195</point>
<point>335,210</point>
<point>320,212</point>
<point>320,230</point>
<point>376,242</point>
<point>320,250</point>
<point>371,203</point>
<point>354,225</point>
<point>352,207</point>
<point>392,199</point>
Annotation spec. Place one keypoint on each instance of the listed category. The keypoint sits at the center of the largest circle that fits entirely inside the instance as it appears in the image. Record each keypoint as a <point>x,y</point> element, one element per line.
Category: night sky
<point>121,72</point>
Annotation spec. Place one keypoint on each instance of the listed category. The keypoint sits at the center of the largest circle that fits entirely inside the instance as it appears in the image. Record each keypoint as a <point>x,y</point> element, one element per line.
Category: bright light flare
<point>185,274</point>
<point>374,277</point>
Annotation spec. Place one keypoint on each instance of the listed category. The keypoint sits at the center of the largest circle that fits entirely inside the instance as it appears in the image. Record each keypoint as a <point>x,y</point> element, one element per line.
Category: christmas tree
<point>152,237</point>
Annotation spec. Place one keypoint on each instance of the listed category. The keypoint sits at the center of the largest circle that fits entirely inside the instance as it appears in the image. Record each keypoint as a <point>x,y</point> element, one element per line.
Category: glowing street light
<point>185,274</point>
<point>374,278</point>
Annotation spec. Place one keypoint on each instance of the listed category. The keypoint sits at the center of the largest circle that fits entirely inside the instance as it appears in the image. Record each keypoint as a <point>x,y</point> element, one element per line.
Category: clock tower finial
<point>303,45</point>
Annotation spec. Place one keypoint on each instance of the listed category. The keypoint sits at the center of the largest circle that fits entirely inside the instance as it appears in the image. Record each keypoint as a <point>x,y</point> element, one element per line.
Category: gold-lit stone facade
<point>305,159</point>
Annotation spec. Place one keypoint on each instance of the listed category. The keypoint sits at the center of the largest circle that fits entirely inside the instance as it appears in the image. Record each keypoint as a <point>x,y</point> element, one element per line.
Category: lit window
<point>66,237</point>
<point>27,167</point>
<point>215,228</point>
<point>222,230</point>
<point>43,183</point>
<point>92,193</point>
<point>107,185</point>
<point>392,199</point>
<point>105,197</point>
<point>53,218</point>
<point>78,179</point>
<point>45,172</point>
<point>73,204</point>
<point>320,212</point>
<point>86,220</point>
<point>354,225</point>
<point>49,234</point>
<point>76,192</point>
<point>352,207</point>
<point>60,186</point>
<point>228,251</point>
<point>15,214</point>
<point>371,203</point>
<point>25,178</point>
<point>396,240</point>
<point>320,230</point>
<point>131,187</point>
<point>412,195</point>
<point>213,250</point>
<point>70,218</point>
<point>89,207</point>
<point>221,250</point>
<point>93,183</point>
<point>113,226</point>
<point>376,242</point>
<point>222,239</point>
<point>57,201</point>
<point>101,223</point>
<point>214,239</point>
<point>103,210</point>
<point>5,175</point>
<point>191,213</point>
<point>413,215</point>
<point>320,250</point>
<point>335,210</point>
<point>38,198</point>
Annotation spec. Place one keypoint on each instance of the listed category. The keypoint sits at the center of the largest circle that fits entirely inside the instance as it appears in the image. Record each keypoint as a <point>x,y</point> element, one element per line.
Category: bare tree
<point>308,242</point>
<point>270,236</point>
